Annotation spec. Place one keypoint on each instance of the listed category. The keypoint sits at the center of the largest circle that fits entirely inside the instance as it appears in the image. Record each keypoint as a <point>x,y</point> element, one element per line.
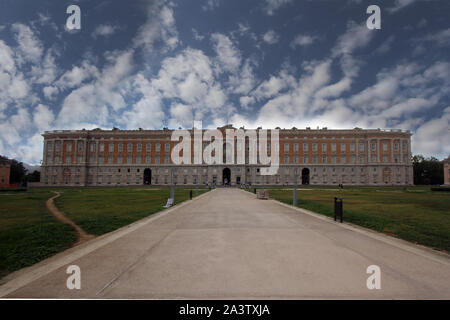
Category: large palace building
<point>137,157</point>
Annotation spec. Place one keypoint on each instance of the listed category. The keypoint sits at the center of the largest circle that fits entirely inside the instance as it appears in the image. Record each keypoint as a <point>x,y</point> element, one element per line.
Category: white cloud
<point>442,38</point>
<point>50,92</point>
<point>189,79</point>
<point>243,80</point>
<point>104,30</point>
<point>303,40</point>
<point>210,5</point>
<point>43,117</point>
<point>400,4</point>
<point>197,36</point>
<point>94,102</point>
<point>30,47</point>
<point>271,37</point>
<point>160,26</point>
<point>273,5</point>
<point>356,36</point>
<point>228,57</point>
<point>75,77</point>
<point>432,137</point>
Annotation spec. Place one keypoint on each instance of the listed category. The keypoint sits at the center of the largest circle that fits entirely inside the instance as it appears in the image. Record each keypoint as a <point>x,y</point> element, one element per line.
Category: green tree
<point>35,176</point>
<point>427,170</point>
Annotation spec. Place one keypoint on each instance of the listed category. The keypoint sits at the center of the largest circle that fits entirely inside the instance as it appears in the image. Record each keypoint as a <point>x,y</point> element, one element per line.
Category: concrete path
<point>227,244</point>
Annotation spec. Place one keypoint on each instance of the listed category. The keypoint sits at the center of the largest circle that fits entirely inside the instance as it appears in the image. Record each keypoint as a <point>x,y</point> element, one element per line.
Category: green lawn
<point>415,214</point>
<point>29,233</point>
<point>102,210</point>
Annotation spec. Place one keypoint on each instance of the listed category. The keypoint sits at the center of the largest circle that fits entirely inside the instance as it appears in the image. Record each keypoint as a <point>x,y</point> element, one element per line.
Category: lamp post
<point>172,189</point>
<point>294,196</point>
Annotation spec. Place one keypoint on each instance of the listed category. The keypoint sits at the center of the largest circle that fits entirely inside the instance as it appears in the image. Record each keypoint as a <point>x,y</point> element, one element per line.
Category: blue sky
<point>270,63</point>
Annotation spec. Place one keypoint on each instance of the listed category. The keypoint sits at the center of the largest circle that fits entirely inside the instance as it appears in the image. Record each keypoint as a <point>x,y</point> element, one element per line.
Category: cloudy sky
<point>153,64</point>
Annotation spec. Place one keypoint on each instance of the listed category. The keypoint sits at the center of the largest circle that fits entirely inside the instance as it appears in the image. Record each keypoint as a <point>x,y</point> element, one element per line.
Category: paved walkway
<point>227,244</point>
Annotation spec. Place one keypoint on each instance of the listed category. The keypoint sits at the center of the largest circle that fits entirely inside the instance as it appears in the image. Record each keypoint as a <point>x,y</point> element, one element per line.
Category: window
<point>361,146</point>
<point>129,160</point>
<point>324,158</point>
<point>100,159</point>
<point>111,147</point>
<point>68,159</point>
<point>166,160</point>
<point>374,158</point>
<point>296,159</point>
<point>79,159</point>
<point>147,159</point>
<point>119,159</point>
<point>361,159</point>
<point>305,147</point>
<point>384,146</point>
<point>157,159</point>
<point>314,147</point>
<point>333,159</point>
<point>157,147</point>
<point>139,147</point>
<point>396,146</point>
<point>102,147</point>
<point>110,159</point>
<point>120,146</point>
<point>138,159</point>
<point>129,147</point>
<point>343,159</point>
<point>305,159</point>
<point>374,146</point>
<point>286,159</point>
<point>385,158</point>
<point>286,147</point>
<point>314,158</point>
<point>352,159</point>
<point>343,147</point>
<point>167,147</point>
<point>92,147</point>
<point>352,147</point>
<point>148,147</point>
<point>333,147</point>
<point>324,147</point>
<point>57,146</point>
<point>80,146</point>
<point>295,147</point>
<point>69,147</point>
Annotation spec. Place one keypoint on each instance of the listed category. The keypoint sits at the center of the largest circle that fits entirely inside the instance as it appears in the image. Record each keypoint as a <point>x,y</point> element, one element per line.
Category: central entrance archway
<point>305,176</point>
<point>147,176</point>
<point>226,176</point>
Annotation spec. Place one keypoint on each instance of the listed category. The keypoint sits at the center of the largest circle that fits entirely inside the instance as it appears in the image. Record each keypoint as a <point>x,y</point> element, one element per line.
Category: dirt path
<point>81,234</point>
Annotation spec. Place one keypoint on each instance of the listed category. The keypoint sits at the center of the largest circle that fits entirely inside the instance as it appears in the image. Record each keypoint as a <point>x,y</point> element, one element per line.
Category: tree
<point>427,170</point>
<point>35,176</point>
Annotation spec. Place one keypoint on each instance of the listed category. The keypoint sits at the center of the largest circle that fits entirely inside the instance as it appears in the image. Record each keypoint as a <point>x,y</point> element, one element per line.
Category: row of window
<point>343,146</point>
<point>119,147</point>
<point>110,159</point>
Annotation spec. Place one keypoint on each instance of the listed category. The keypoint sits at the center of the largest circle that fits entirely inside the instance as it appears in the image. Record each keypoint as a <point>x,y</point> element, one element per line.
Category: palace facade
<point>5,171</point>
<point>309,156</point>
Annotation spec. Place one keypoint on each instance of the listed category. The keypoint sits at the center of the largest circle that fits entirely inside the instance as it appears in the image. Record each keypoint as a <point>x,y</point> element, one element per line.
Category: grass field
<point>29,233</point>
<point>415,214</point>
<point>101,210</point>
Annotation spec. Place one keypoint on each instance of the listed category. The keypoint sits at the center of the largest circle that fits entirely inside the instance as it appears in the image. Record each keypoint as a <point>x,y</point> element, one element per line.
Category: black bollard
<point>338,208</point>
